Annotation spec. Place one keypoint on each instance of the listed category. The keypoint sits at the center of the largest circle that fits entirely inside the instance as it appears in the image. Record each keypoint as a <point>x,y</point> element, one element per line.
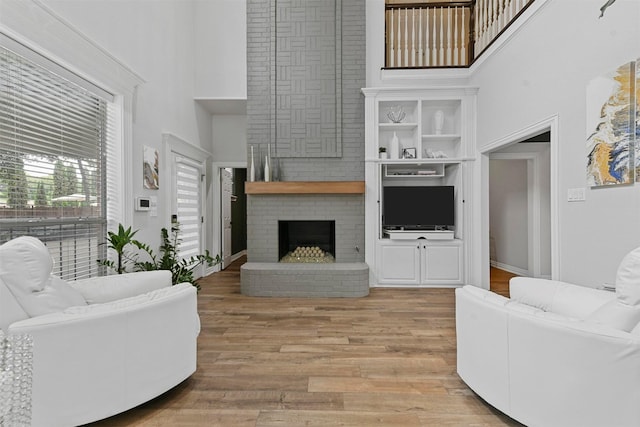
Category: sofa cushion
<point>25,268</point>
<point>617,315</point>
<point>628,278</point>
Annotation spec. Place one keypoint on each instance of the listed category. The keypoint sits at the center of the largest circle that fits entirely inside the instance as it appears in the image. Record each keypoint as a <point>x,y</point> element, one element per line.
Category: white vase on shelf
<point>438,122</point>
<point>267,172</point>
<point>394,147</point>
<point>252,170</point>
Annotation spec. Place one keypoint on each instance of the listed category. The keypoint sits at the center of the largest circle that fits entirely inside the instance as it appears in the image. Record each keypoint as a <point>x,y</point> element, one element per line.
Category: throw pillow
<point>628,278</point>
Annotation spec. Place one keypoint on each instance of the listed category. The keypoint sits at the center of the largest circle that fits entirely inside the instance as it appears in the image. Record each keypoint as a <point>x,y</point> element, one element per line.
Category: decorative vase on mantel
<point>252,168</point>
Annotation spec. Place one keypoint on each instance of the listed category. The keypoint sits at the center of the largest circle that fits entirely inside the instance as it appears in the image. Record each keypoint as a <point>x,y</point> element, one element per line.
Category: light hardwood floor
<point>500,281</point>
<point>388,359</point>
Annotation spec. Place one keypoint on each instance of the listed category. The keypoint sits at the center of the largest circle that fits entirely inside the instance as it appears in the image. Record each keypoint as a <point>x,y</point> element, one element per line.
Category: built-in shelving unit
<point>427,134</point>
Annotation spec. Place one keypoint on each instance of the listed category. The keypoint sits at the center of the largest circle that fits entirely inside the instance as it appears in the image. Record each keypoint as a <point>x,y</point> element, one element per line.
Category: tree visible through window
<point>54,137</point>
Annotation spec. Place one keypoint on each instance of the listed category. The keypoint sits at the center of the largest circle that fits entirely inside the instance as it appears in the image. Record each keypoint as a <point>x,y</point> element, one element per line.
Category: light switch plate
<point>576,194</point>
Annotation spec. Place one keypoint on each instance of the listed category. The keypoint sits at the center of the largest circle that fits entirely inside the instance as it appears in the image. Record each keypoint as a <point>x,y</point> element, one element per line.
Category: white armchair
<point>100,346</point>
<point>555,354</point>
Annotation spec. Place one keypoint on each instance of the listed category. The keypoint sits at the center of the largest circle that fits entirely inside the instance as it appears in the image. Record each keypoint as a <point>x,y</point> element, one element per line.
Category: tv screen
<point>429,207</point>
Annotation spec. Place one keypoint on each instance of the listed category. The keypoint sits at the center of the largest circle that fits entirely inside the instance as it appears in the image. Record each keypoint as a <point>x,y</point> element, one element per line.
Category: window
<point>56,139</point>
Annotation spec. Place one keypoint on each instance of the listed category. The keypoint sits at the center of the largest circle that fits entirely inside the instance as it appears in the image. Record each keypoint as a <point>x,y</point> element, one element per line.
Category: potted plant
<point>118,242</point>
<point>168,259</point>
<point>383,152</point>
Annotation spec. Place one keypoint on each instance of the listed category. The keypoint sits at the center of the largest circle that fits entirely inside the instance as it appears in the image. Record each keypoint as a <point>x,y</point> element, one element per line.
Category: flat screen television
<point>418,207</point>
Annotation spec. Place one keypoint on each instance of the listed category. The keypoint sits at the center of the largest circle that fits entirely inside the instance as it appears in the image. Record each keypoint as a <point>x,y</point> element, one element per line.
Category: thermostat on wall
<point>143,204</point>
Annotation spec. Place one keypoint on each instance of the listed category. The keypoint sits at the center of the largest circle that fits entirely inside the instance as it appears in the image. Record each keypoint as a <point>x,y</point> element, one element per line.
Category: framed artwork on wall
<point>611,116</point>
<point>150,166</point>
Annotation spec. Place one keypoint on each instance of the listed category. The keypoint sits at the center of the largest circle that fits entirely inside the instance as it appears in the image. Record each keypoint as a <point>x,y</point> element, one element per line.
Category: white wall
<point>229,138</point>
<point>156,40</point>
<point>220,48</point>
<point>508,213</point>
<point>543,71</point>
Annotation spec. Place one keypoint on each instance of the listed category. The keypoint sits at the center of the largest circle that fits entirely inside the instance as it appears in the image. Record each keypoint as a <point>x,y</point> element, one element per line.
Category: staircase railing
<point>451,34</point>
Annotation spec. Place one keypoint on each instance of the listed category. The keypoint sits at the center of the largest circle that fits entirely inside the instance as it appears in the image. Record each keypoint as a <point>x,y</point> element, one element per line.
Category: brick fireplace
<point>264,275</point>
<point>310,120</point>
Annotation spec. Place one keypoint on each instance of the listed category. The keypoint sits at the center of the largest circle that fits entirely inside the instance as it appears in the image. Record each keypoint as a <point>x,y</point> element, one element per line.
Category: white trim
<point>482,243</point>
<point>173,145</point>
<point>216,202</point>
<point>533,205</point>
<point>34,25</point>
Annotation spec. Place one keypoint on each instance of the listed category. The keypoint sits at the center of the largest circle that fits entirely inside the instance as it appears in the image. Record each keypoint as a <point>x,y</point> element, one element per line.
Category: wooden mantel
<point>305,187</point>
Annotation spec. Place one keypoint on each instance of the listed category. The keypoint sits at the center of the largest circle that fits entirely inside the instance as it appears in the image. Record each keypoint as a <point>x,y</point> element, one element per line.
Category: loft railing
<point>451,34</point>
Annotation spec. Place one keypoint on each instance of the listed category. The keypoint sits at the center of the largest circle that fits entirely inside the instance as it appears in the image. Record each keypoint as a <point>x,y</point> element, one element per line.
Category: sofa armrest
<point>572,373</point>
<point>559,297</point>
<point>92,362</point>
<point>110,288</point>
<point>482,347</point>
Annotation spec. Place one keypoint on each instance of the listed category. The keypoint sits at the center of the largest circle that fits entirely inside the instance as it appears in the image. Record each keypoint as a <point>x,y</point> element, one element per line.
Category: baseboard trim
<point>511,269</point>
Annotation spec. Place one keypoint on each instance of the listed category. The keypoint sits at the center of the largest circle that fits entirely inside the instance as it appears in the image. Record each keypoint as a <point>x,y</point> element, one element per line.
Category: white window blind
<point>188,206</point>
<point>55,139</point>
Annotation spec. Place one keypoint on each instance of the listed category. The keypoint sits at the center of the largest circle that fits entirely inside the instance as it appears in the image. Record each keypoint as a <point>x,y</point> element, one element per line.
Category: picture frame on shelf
<point>409,153</point>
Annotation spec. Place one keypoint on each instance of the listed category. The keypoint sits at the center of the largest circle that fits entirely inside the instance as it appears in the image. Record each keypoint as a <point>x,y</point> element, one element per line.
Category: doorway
<point>186,182</point>
<point>233,214</point>
<point>524,225</point>
<point>520,207</point>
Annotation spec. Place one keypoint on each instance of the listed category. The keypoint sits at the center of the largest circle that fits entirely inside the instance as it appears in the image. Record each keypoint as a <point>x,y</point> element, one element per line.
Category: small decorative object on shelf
<point>409,153</point>
<point>383,152</point>
<point>396,114</point>
<point>438,122</point>
<point>430,154</point>
<point>394,147</point>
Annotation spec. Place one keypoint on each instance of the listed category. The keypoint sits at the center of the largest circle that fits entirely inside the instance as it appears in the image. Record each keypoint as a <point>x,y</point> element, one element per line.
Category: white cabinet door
<point>399,263</point>
<point>441,264</point>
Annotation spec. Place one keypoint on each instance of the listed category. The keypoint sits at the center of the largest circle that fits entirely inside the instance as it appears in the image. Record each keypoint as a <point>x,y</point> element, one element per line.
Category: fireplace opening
<point>307,241</point>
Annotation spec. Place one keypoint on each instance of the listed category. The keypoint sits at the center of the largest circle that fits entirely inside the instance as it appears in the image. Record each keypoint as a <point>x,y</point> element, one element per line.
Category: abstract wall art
<point>611,116</point>
<point>637,120</point>
<point>150,168</point>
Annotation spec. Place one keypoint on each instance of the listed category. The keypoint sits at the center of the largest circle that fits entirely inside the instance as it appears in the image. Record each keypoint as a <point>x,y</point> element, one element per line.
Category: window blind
<point>188,206</point>
<point>55,141</point>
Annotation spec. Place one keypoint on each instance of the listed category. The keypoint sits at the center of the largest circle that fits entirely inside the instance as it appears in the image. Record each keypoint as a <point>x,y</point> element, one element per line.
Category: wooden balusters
<point>439,34</point>
<point>492,17</point>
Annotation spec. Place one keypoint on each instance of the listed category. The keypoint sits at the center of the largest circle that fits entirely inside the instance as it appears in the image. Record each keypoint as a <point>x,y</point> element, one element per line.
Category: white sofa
<point>100,346</point>
<point>555,354</point>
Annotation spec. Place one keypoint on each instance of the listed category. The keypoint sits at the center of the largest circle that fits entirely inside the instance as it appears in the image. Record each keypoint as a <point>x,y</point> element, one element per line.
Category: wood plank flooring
<point>388,359</point>
<point>500,281</point>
